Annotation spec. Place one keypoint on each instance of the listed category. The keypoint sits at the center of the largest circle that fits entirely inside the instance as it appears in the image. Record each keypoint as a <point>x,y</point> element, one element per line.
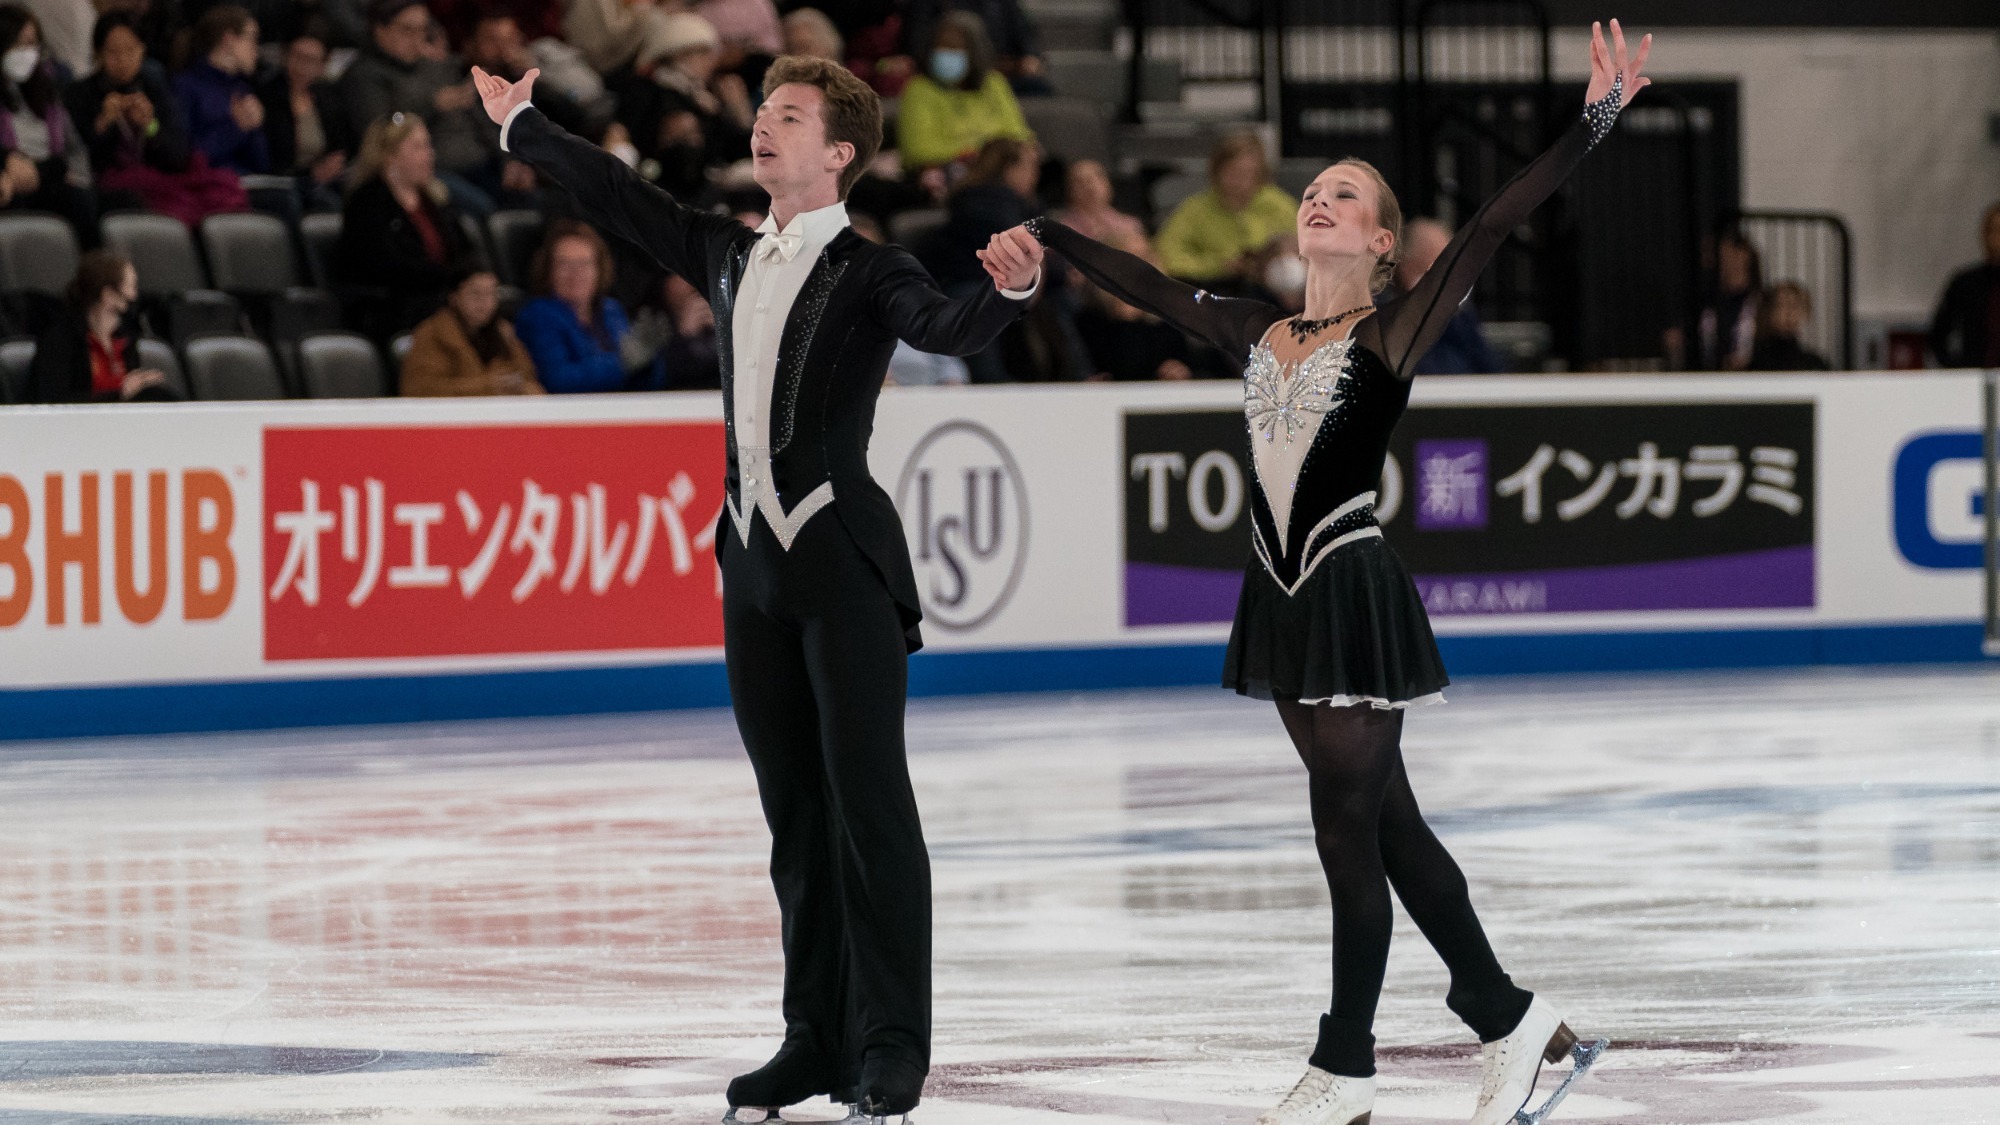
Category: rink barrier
<point>49,713</point>
<point>303,563</point>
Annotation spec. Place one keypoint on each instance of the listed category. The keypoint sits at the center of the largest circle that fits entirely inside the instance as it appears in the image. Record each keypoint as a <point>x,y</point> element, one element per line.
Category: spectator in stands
<point>44,165</point>
<point>400,240</point>
<point>304,124</point>
<point>396,74</point>
<point>959,102</point>
<point>909,367</point>
<point>679,111</point>
<point>534,19</point>
<point>466,347</point>
<point>132,127</point>
<point>608,32</point>
<point>577,333</point>
<point>1088,210</point>
<point>1125,343</point>
<point>809,32</point>
<point>87,352</point>
<point>1726,328</point>
<point>1016,46</point>
<point>1463,349</point>
<point>690,356</point>
<point>225,118</point>
<point>1965,330</point>
<point>569,92</point>
<point>1229,232</point>
<point>1782,316</point>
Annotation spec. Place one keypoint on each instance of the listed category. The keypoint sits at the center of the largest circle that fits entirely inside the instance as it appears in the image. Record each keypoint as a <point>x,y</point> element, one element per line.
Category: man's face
<point>305,60</point>
<point>496,45</point>
<point>788,145</point>
<point>402,38</point>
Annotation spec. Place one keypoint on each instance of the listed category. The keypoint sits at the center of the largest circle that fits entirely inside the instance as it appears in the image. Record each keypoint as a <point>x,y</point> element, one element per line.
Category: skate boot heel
<point>1559,1044</point>
<point>753,1115</point>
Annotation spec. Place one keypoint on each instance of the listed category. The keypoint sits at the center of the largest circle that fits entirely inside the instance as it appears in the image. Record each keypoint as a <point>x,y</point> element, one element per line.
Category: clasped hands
<point>1012,259</point>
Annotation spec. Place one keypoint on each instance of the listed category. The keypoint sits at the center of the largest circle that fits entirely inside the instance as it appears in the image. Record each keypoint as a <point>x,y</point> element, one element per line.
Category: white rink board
<point>1053,581</point>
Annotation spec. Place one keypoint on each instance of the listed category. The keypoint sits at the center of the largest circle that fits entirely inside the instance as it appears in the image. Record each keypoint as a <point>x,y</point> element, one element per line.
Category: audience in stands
<point>959,102</point>
<point>809,32</point>
<point>401,243</point>
<point>1782,316</point>
<point>568,91</point>
<point>1016,46</point>
<point>576,332</point>
<point>608,32</point>
<point>66,31</point>
<point>750,32</point>
<point>90,349</point>
<point>1463,349</point>
<point>679,110</point>
<point>1965,330</point>
<point>1225,235</point>
<point>225,118</point>
<point>535,19</point>
<point>305,125</point>
<point>690,356</point>
<point>398,72</point>
<point>132,128</point>
<point>1127,344</point>
<point>466,347</point>
<point>1725,330</point>
<point>1088,210</point>
<point>46,165</point>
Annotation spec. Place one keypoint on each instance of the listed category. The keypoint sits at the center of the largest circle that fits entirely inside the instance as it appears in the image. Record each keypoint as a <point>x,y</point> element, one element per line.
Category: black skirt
<point>1354,632</point>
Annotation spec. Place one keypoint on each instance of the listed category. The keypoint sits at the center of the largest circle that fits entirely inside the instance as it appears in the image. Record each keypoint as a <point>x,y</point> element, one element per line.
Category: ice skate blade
<point>856,1117</point>
<point>1584,1056</point>
<point>752,1115</point>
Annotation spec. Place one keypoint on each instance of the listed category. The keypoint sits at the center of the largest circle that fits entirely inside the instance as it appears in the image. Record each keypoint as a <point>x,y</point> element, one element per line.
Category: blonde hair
<point>379,146</point>
<point>1388,216</point>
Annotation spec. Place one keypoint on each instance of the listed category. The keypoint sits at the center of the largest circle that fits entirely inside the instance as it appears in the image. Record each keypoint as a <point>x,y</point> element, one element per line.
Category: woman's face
<point>305,61</point>
<point>1338,217</point>
<point>573,272</point>
<point>1788,313</point>
<point>1732,266</point>
<point>239,50</point>
<point>1238,180</point>
<point>30,36</point>
<point>117,299</point>
<point>122,55</point>
<point>414,161</point>
<point>477,299</point>
<point>1089,188</point>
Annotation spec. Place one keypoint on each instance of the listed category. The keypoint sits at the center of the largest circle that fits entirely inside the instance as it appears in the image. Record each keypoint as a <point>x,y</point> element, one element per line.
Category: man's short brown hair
<point>850,109</point>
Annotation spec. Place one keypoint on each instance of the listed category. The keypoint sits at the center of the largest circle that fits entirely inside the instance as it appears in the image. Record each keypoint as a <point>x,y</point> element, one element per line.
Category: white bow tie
<point>785,246</point>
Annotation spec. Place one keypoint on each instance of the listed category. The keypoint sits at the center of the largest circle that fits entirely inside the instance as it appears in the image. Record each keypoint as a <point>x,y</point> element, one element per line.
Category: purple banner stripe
<point>1159,594</point>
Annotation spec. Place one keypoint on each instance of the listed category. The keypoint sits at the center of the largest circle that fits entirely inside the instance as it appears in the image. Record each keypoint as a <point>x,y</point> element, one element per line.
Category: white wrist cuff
<point>1024,294</point>
<point>509,123</point>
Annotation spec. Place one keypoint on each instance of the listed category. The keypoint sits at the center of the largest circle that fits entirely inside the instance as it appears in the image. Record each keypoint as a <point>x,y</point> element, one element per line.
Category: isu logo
<point>965,510</point>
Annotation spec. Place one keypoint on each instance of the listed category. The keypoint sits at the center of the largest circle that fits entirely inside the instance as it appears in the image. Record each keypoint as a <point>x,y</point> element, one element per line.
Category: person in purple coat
<point>225,118</point>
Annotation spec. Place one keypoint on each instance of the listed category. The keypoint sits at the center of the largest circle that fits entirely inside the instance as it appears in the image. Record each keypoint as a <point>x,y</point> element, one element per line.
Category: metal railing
<point>1814,250</point>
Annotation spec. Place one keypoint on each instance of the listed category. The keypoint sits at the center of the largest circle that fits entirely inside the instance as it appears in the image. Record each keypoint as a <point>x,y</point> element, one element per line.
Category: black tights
<point>1371,836</point>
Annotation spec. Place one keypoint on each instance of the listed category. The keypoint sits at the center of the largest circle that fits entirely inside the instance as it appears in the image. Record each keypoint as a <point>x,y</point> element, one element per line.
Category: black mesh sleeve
<point>1230,323</point>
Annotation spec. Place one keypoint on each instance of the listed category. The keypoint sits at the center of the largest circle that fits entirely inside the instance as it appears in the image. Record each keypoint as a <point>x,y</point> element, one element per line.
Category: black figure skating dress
<point>1328,614</point>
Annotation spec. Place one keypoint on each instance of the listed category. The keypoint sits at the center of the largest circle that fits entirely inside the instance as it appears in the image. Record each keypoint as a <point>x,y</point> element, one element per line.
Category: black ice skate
<point>797,1072</point>
<point>889,1090</point>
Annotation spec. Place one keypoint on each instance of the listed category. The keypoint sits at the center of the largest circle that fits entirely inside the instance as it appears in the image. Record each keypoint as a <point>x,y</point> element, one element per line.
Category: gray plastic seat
<point>515,234</point>
<point>159,355</point>
<point>38,253</point>
<point>1173,189</point>
<point>1070,128</point>
<point>232,368</point>
<point>340,365</point>
<point>250,253</point>
<point>320,232</point>
<point>16,356</point>
<point>160,248</point>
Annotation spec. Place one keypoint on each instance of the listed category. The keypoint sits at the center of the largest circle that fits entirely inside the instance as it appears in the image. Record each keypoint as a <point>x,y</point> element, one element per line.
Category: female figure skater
<point>1329,624</point>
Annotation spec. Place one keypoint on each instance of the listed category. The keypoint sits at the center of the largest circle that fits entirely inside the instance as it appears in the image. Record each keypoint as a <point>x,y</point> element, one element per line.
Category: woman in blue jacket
<point>579,336</point>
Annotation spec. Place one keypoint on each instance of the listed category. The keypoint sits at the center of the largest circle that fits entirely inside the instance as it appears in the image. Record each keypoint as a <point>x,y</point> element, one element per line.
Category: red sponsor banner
<point>465,540</point>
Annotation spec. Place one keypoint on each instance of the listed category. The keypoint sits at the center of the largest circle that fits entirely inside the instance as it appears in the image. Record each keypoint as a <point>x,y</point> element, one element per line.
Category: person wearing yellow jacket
<point>1227,232</point>
<point>960,102</point>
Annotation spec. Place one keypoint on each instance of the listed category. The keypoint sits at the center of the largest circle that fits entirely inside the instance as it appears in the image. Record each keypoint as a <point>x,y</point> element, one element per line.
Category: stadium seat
<point>340,365</point>
<point>232,368</point>
<point>1173,189</point>
<point>16,356</point>
<point>515,234</point>
<point>203,312</point>
<point>1070,128</point>
<point>320,232</point>
<point>296,313</point>
<point>475,235</point>
<point>249,254</point>
<point>159,355</point>
<point>160,248</point>
<point>38,254</point>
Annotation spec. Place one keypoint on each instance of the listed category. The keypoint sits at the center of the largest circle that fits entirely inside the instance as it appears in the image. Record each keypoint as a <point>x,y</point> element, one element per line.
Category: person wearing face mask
<point>1016,42</point>
<point>44,164</point>
<point>959,102</point>
<point>224,115</point>
<point>89,350</point>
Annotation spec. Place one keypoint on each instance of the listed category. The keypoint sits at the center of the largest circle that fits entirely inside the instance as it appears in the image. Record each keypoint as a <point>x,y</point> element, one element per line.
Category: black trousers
<point>817,676</point>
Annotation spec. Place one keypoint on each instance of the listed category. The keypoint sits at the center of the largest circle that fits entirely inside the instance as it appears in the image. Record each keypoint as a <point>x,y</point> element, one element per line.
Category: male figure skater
<point>819,603</point>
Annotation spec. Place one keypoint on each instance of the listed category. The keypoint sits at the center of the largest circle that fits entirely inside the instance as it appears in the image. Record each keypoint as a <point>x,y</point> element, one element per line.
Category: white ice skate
<point>752,1115</point>
<point>1322,1098</point>
<point>1509,1067</point>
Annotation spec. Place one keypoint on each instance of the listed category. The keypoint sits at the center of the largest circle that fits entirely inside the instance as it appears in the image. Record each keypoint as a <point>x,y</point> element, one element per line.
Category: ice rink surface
<point>1777,892</point>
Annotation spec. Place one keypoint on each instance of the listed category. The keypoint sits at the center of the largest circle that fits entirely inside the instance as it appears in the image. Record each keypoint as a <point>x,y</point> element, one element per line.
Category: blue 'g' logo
<point>1940,500</point>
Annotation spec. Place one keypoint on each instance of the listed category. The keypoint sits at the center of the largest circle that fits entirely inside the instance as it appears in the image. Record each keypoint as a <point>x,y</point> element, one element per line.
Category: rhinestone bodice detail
<point>1286,413</point>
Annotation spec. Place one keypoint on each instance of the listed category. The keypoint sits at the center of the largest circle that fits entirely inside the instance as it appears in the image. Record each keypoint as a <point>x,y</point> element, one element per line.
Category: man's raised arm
<point>613,196</point>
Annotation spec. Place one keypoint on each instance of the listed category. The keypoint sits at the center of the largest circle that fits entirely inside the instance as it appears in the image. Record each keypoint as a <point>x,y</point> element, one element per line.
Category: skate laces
<point>1494,1058</point>
<point>1315,1085</point>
